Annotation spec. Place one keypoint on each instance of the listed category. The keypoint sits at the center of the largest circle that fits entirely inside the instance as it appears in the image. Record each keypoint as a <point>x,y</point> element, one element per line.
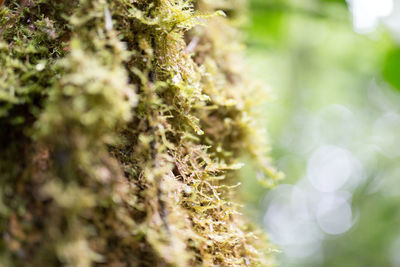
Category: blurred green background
<point>333,70</point>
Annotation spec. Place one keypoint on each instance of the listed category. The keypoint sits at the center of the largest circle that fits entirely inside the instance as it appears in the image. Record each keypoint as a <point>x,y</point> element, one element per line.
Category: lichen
<point>121,126</point>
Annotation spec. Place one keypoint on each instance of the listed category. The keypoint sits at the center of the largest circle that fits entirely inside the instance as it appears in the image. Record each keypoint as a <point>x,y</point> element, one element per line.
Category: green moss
<point>123,122</point>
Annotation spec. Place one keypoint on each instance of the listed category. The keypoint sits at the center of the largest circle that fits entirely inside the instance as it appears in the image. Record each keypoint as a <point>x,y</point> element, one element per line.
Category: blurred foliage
<point>391,71</point>
<point>309,54</point>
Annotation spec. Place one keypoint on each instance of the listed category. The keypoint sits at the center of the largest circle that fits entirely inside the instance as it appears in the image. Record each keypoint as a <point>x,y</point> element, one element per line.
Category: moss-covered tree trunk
<point>121,123</point>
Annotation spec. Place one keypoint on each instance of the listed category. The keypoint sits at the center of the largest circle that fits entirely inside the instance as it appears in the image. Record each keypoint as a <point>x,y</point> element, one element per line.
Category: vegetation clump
<point>121,125</point>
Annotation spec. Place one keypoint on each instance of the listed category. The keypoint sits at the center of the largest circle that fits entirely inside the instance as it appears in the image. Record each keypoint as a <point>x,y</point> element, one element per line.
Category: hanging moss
<point>121,126</point>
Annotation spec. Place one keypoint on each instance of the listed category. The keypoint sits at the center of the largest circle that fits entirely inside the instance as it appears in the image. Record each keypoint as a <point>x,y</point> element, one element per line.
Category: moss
<point>123,123</point>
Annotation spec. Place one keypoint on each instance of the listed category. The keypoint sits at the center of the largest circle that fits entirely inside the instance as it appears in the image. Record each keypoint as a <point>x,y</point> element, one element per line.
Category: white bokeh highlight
<point>329,168</point>
<point>334,214</point>
<point>367,13</point>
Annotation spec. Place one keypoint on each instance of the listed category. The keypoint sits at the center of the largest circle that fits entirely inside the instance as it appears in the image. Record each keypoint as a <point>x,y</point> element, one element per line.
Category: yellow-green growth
<point>121,125</point>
